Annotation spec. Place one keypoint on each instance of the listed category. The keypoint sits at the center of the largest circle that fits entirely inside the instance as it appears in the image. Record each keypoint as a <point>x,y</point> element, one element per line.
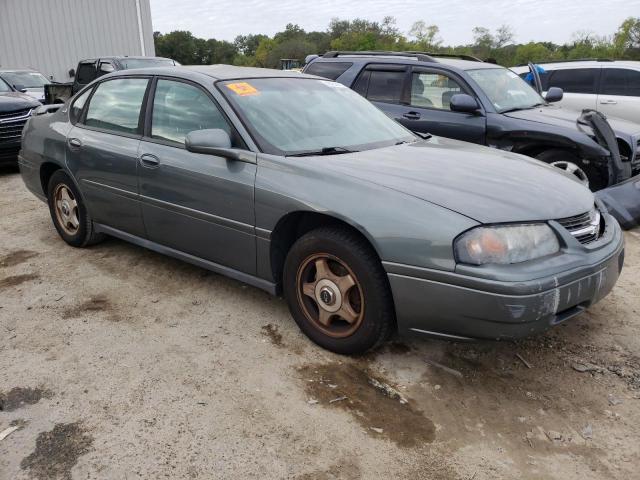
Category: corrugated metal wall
<point>52,35</point>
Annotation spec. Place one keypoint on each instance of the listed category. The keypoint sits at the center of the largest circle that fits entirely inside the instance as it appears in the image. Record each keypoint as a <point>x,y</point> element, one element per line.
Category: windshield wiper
<point>523,108</point>
<point>323,151</point>
<point>422,135</point>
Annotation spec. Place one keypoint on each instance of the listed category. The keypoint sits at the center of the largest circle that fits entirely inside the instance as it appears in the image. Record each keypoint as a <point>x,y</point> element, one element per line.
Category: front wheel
<point>337,291</point>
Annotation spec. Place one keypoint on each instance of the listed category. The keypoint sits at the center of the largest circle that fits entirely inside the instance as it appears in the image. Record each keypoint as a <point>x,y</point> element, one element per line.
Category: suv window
<point>330,70</point>
<point>619,81</point>
<point>116,104</point>
<point>574,80</point>
<point>385,86</point>
<point>180,108</point>
<point>78,105</point>
<point>433,90</point>
<point>86,73</point>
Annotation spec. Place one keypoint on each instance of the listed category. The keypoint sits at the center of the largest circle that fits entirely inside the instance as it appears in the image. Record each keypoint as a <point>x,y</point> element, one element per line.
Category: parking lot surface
<point>117,362</point>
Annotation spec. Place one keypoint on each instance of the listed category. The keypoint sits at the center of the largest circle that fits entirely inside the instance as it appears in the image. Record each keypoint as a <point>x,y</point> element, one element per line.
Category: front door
<point>429,108</point>
<point>198,204</point>
<point>102,152</point>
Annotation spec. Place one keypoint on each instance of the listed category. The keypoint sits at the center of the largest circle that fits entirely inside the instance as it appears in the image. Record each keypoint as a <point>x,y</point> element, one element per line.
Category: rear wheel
<point>68,212</point>
<point>337,291</point>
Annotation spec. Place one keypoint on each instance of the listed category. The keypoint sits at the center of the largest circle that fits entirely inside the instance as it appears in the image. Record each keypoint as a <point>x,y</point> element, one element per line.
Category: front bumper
<point>455,306</point>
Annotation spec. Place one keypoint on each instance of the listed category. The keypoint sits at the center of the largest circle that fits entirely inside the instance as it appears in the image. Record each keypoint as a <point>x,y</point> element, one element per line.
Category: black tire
<point>84,235</point>
<point>598,176</point>
<point>376,314</point>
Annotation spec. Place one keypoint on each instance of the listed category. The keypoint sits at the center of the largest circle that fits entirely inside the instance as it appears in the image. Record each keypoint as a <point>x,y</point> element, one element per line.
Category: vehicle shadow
<point>9,169</point>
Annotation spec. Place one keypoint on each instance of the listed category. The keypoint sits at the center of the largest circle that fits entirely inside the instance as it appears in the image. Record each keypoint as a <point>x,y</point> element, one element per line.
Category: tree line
<point>360,34</point>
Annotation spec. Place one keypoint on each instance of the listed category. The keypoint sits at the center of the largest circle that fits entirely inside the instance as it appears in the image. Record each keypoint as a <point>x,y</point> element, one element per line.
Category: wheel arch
<point>295,224</point>
<point>47,169</point>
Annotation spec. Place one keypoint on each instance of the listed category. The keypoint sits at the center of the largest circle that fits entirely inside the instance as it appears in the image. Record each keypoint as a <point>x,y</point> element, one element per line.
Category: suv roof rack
<point>422,57</point>
<point>470,58</point>
<point>571,60</point>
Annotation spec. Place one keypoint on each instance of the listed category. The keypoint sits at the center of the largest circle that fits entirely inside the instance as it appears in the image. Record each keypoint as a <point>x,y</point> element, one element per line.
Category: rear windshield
<point>26,79</point>
<point>330,70</point>
<point>129,63</point>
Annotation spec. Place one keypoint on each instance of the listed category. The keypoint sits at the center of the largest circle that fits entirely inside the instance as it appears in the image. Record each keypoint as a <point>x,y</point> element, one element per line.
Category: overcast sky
<point>538,20</point>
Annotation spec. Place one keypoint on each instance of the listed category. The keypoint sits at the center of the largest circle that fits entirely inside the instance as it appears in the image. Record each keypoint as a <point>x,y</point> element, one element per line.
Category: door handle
<point>75,142</point>
<point>149,161</point>
<point>411,115</point>
<point>608,102</point>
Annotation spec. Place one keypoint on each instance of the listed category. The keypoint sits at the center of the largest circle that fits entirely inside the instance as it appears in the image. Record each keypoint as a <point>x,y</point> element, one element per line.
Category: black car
<point>464,98</point>
<point>90,69</point>
<point>15,109</point>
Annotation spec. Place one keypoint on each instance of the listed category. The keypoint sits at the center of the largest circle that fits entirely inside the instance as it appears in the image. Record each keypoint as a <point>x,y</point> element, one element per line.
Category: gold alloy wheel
<point>330,295</point>
<point>66,208</point>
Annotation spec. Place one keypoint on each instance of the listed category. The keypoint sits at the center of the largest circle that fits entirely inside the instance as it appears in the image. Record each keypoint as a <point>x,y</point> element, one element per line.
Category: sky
<point>531,20</point>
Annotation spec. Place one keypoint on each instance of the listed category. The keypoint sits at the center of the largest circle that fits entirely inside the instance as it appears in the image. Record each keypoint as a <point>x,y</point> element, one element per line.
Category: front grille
<point>586,228</point>
<point>11,125</point>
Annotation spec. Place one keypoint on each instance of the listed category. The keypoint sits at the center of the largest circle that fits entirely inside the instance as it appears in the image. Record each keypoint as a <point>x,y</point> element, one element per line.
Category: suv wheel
<point>337,291</point>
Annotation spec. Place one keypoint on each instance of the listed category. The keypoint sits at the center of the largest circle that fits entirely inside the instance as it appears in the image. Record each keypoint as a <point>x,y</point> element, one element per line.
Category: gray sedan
<point>298,185</point>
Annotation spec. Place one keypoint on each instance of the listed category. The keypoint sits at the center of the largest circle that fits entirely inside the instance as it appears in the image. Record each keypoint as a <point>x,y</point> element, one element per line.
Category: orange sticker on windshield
<point>243,89</point>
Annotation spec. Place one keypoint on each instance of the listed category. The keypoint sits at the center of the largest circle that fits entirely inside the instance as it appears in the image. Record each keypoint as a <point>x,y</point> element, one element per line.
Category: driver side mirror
<point>20,88</point>
<point>554,94</point>
<point>215,141</point>
<point>462,102</point>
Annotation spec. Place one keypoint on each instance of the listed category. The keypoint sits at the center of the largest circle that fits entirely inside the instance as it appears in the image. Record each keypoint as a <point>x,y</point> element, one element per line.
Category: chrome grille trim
<point>585,227</point>
<point>11,124</point>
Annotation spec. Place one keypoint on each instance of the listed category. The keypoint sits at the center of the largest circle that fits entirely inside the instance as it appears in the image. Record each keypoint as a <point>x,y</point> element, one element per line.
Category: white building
<point>51,36</point>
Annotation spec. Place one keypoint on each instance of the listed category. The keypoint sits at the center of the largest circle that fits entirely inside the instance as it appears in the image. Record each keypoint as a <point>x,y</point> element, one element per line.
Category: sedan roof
<point>217,72</point>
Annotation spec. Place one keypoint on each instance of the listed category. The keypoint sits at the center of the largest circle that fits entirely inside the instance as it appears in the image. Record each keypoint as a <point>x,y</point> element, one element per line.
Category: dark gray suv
<point>467,99</point>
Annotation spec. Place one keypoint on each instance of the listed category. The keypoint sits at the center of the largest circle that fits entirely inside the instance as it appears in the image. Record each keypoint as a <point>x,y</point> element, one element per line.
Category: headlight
<point>506,244</point>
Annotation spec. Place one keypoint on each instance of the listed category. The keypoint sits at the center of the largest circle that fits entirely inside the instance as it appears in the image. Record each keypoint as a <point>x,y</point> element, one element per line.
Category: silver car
<point>296,184</point>
<point>26,81</point>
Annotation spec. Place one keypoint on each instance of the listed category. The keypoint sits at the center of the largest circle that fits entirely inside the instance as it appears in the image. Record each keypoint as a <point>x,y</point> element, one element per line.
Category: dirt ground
<point>116,362</point>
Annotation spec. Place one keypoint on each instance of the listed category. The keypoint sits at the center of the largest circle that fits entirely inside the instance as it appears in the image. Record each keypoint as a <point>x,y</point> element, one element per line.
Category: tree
<point>504,36</point>
<point>178,45</point>
<point>426,35</point>
<point>248,44</point>
<point>482,38</point>
<point>628,35</point>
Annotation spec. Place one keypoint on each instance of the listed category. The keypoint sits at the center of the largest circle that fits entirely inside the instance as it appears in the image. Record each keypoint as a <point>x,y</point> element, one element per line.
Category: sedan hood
<point>10,102</point>
<point>567,118</point>
<point>487,185</point>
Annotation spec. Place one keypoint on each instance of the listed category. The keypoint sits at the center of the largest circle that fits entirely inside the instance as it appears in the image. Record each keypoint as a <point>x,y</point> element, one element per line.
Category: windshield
<point>505,89</point>
<point>26,79</point>
<point>130,63</point>
<point>289,116</point>
<point>4,87</point>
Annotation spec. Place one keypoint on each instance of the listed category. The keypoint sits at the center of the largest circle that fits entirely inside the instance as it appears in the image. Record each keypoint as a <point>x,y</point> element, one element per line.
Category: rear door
<point>619,94</point>
<point>429,107</point>
<point>102,151</point>
<point>578,84</point>
<point>386,86</point>
<point>198,204</point>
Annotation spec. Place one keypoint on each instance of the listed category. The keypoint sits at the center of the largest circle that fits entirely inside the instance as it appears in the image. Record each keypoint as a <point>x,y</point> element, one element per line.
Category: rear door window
<point>574,80</point>
<point>115,105</point>
<point>385,86</point>
<point>620,81</point>
<point>330,70</point>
